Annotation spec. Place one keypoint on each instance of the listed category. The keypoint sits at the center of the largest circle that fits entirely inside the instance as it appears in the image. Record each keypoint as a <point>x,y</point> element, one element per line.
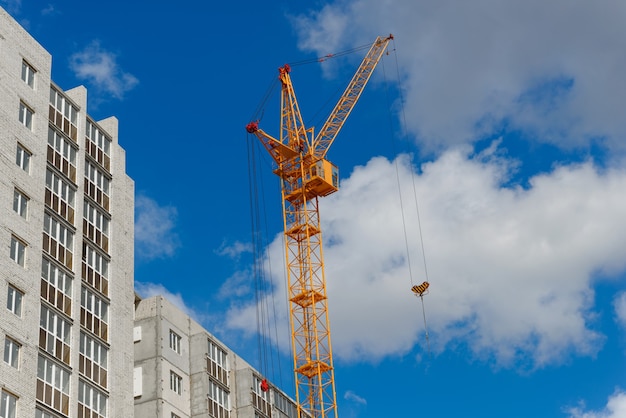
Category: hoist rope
<point>419,222</point>
<point>394,153</point>
<point>260,110</point>
<point>417,208</point>
<point>260,252</point>
<point>425,325</point>
<point>330,56</point>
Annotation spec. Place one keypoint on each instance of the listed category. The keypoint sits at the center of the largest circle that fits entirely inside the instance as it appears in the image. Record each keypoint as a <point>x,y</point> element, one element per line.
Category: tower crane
<point>306,175</point>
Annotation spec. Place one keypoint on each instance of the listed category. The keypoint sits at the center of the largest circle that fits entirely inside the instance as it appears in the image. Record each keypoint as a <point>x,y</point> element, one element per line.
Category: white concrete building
<point>182,371</point>
<point>66,246</point>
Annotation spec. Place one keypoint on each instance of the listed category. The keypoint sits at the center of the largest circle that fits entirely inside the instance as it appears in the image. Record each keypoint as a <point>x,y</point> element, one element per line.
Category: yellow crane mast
<point>306,175</point>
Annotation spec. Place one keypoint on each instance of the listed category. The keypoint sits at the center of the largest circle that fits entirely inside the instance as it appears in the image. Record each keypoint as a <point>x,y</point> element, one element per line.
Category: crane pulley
<point>306,175</point>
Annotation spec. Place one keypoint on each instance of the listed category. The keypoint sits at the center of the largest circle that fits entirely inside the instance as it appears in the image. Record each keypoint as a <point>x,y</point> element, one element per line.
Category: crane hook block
<point>264,385</point>
<point>252,127</point>
<point>421,289</point>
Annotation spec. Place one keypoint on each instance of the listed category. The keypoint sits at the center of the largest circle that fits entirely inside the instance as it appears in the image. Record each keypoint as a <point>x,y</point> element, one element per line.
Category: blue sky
<point>509,134</point>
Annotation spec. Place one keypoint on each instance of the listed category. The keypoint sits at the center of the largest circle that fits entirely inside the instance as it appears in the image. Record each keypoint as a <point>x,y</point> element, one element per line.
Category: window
<point>95,269</point>
<point>53,385</point>
<point>18,249</point>
<point>218,401</point>
<point>58,231</point>
<point>56,286</point>
<point>94,402</point>
<point>98,145</point>
<point>58,240</point>
<point>60,187</point>
<point>96,225</point>
<point>176,383</point>
<point>41,414</point>
<point>28,74</point>
<point>260,398</point>
<point>175,341</point>
<point>61,153</point>
<point>20,203</point>
<point>174,415</point>
<point>54,335</point>
<point>94,313</point>
<point>93,359</point>
<point>63,114</point>
<point>11,352</point>
<point>26,116</point>
<point>14,301</point>
<point>22,158</point>
<point>285,405</point>
<point>8,405</point>
<point>217,363</point>
<point>60,195</point>
<point>97,184</point>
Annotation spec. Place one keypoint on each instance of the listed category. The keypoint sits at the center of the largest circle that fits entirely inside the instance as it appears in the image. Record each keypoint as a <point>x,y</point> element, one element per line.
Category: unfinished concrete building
<point>183,371</point>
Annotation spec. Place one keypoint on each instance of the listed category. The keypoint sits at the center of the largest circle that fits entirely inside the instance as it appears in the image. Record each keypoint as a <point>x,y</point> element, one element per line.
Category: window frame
<point>56,277</point>
<point>14,300</point>
<point>217,362</point>
<point>53,374</point>
<point>285,405</point>
<point>22,157</point>
<point>63,113</point>
<point>219,395</point>
<point>18,251</point>
<point>62,153</point>
<point>56,329</point>
<point>92,398</point>
<point>96,136</point>
<point>8,404</point>
<point>58,231</point>
<point>175,341</point>
<point>95,304</point>
<point>94,349</point>
<point>54,379</point>
<point>20,203</point>
<point>42,414</point>
<point>58,186</point>
<point>26,116</point>
<point>28,74</point>
<point>97,177</point>
<point>176,383</point>
<point>12,352</point>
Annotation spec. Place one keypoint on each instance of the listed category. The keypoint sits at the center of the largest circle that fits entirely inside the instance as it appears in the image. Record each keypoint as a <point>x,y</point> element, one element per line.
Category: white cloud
<point>510,269</point>
<point>100,67</point>
<point>154,229</point>
<point>12,6</point>
<point>553,70</point>
<point>234,250</point>
<point>147,290</point>
<point>615,408</point>
<point>351,396</point>
<point>620,308</point>
<point>49,10</point>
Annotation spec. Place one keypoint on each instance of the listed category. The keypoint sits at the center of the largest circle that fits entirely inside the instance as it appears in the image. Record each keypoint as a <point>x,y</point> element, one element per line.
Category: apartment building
<point>183,371</point>
<point>66,246</point>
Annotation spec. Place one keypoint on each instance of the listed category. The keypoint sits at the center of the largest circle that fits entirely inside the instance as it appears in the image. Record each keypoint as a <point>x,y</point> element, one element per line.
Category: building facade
<point>66,246</point>
<point>182,371</point>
